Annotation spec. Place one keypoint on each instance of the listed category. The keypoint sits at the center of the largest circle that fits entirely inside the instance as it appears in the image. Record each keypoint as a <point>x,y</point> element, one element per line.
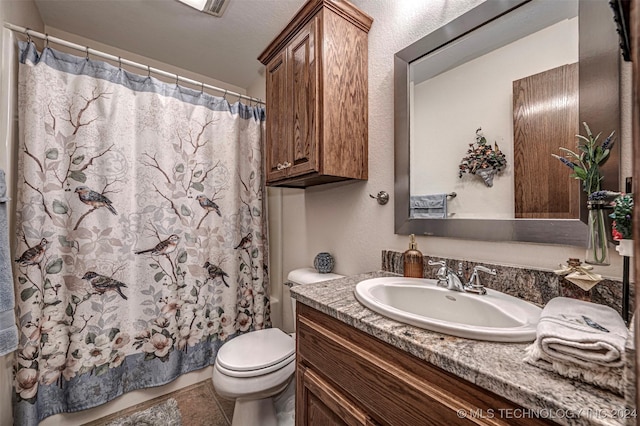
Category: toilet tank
<point>304,276</point>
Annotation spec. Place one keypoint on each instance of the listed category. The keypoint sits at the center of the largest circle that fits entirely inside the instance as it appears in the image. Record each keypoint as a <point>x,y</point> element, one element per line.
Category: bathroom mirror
<point>440,79</point>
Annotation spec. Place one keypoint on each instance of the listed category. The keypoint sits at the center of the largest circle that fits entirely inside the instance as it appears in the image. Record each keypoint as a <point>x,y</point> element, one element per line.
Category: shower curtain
<point>141,231</point>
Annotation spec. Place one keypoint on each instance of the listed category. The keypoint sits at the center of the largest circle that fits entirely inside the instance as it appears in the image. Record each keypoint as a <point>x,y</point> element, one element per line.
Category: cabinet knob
<point>280,166</point>
<point>286,165</point>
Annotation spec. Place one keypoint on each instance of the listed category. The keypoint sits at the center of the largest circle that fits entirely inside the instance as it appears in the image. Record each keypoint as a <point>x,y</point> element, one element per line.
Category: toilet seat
<point>258,371</point>
<point>256,353</point>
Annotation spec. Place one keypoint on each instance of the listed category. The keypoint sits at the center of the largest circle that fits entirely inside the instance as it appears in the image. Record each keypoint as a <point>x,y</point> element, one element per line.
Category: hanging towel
<point>8,329</point>
<point>580,340</point>
<point>432,206</point>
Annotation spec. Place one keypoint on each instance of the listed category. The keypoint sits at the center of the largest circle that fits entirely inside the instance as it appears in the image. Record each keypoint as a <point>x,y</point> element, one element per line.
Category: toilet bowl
<point>257,366</point>
<point>253,368</point>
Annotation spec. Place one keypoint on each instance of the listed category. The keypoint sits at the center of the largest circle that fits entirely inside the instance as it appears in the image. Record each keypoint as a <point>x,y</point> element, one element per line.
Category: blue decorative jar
<point>324,262</point>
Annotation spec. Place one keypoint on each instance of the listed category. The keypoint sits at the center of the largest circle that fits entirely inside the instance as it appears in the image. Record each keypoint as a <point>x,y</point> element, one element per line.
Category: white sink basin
<point>495,316</point>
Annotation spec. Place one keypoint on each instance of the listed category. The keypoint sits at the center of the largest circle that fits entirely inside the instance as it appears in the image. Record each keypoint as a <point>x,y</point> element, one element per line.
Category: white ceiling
<point>166,30</point>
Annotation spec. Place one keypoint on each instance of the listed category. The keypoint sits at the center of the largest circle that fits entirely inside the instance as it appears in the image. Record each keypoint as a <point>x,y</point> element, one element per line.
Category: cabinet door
<point>302,66</point>
<point>320,404</point>
<point>542,187</point>
<point>277,127</point>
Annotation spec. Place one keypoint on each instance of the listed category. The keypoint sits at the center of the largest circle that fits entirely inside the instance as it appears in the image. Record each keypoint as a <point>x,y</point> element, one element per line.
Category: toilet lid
<point>256,350</point>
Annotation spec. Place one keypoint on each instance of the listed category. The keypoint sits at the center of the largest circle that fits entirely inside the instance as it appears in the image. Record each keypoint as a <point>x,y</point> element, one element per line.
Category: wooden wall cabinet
<point>317,97</point>
<point>346,377</point>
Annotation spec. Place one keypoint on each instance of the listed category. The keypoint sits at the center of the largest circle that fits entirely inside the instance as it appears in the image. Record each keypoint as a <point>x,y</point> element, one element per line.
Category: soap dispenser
<point>413,260</point>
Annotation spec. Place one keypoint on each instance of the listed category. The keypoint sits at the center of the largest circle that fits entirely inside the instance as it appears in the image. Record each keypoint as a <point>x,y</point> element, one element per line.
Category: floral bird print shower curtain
<point>141,231</point>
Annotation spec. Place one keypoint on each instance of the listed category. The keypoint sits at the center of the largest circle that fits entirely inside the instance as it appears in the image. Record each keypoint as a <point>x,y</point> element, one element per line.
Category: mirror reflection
<point>513,82</point>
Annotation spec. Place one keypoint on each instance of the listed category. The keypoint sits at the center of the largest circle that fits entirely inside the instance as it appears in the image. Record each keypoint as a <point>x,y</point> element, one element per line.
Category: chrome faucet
<point>447,278</point>
<point>475,286</point>
<point>453,281</point>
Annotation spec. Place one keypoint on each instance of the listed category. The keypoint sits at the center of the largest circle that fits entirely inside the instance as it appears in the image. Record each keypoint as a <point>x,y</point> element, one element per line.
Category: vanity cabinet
<point>345,376</point>
<point>317,97</point>
<point>325,405</point>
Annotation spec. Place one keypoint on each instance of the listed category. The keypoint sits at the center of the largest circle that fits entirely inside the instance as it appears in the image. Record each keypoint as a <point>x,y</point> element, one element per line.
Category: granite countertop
<point>497,367</point>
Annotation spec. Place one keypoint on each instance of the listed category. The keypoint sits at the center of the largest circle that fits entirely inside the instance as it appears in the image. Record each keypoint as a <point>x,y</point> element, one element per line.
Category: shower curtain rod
<point>120,60</point>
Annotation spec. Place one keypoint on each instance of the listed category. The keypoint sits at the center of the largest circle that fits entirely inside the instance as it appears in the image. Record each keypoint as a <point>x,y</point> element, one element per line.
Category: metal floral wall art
<point>483,160</point>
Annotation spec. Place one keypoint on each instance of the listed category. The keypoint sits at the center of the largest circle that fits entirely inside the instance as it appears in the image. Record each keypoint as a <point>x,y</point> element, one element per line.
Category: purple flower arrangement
<point>586,162</point>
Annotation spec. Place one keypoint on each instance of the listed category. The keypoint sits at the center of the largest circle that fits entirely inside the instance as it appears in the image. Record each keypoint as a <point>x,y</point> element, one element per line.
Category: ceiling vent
<point>212,7</point>
<point>216,7</point>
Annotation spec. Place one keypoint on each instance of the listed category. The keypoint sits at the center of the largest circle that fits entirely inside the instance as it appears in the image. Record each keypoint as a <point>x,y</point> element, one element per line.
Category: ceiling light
<point>212,7</point>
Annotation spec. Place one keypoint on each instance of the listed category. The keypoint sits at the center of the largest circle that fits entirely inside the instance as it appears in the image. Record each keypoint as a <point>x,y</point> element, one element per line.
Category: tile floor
<point>199,406</point>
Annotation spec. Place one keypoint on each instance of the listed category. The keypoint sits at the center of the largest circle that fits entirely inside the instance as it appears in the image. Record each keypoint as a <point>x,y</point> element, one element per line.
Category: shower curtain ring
<point>87,51</point>
<point>148,71</point>
<point>28,35</point>
<point>225,95</point>
<point>46,41</point>
<point>177,78</point>
<point>119,62</point>
<point>201,87</point>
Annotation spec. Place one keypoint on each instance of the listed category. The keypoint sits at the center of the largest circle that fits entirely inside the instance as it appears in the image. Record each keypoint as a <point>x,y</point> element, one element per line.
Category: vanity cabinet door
<point>321,404</point>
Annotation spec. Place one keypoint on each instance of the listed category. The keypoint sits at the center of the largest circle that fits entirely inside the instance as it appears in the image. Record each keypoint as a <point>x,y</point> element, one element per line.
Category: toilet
<point>257,366</point>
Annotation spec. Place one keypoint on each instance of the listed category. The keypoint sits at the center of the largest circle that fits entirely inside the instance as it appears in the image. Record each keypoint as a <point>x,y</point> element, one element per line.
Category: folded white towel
<point>580,340</point>
<point>584,333</point>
